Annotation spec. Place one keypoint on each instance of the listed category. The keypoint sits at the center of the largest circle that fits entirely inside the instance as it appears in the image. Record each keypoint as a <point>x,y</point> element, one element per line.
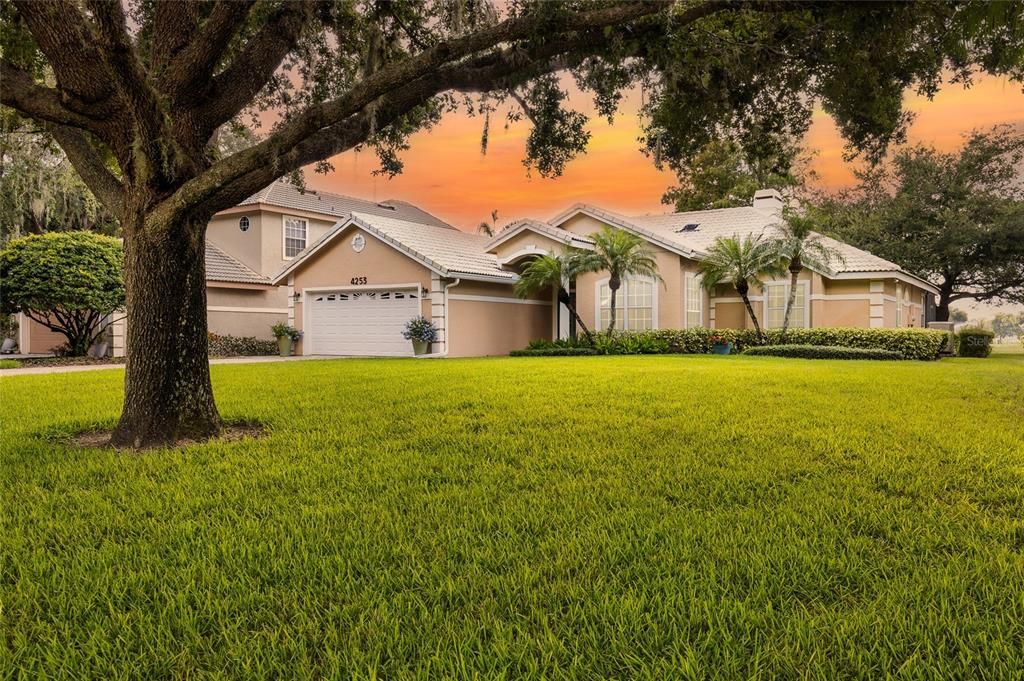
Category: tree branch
<point>174,27</point>
<point>232,90</point>
<point>278,151</point>
<point>127,72</point>
<point>194,63</point>
<point>94,173</point>
<point>23,94</point>
<point>59,29</point>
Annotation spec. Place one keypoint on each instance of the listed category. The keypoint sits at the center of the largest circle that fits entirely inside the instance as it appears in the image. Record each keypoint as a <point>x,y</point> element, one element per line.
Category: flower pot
<point>284,345</point>
<point>420,347</point>
<point>721,348</point>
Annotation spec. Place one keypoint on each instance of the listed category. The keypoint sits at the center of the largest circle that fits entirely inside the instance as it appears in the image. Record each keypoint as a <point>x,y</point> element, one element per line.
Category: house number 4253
<point>358,281</point>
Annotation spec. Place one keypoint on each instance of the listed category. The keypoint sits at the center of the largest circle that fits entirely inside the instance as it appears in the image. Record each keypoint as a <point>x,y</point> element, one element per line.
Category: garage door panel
<point>367,323</point>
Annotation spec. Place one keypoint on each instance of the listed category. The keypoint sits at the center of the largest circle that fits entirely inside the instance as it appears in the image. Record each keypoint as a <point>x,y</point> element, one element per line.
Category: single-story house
<point>352,290</point>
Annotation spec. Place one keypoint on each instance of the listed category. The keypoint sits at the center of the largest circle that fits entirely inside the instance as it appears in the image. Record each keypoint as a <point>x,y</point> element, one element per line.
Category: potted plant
<point>286,335</point>
<point>720,345</point>
<point>422,332</point>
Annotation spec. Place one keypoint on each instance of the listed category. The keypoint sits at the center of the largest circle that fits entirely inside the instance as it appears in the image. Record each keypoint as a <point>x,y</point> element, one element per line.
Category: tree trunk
<point>167,391</point>
<point>794,275</point>
<point>945,298</point>
<point>565,299</point>
<point>613,287</point>
<point>742,288</point>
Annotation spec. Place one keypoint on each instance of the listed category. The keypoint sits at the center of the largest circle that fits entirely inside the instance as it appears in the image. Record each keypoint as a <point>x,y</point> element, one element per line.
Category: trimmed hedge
<point>974,342</point>
<point>552,352</point>
<point>236,346</point>
<point>922,344</point>
<point>822,352</point>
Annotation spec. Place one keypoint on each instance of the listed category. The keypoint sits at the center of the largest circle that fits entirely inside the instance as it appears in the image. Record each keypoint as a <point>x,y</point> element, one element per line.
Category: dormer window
<point>689,227</point>
<point>243,223</point>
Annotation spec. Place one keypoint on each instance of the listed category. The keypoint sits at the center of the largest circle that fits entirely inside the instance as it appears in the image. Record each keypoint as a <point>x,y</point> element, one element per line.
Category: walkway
<point>71,368</point>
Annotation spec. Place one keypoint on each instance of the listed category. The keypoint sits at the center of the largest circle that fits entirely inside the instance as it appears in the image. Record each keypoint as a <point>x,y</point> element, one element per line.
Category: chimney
<point>768,200</point>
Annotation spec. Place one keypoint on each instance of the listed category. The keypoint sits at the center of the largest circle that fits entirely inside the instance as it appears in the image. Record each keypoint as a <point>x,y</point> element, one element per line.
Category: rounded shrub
<point>974,342</point>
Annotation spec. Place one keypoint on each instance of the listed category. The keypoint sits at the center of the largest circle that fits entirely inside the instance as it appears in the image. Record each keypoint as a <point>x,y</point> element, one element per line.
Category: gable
<point>338,263</point>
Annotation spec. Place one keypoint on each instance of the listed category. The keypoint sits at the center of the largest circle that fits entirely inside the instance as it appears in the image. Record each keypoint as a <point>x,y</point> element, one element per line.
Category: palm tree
<point>620,254</point>
<point>742,263</point>
<point>489,228</point>
<point>800,246</point>
<point>552,271</point>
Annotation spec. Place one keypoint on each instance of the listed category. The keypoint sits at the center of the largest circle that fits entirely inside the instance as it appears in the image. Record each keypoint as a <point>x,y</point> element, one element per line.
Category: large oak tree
<point>134,93</point>
<point>954,218</point>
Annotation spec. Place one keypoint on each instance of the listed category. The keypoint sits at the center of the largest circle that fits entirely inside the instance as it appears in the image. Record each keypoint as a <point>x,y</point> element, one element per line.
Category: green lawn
<point>606,517</point>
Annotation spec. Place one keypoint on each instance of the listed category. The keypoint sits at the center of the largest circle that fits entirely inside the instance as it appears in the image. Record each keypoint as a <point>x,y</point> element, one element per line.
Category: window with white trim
<point>775,298</point>
<point>694,304</point>
<point>295,230</point>
<point>634,305</point>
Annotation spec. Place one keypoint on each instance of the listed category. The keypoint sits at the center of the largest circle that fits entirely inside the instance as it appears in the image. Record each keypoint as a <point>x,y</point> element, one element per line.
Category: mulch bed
<point>68,361</point>
<point>231,432</point>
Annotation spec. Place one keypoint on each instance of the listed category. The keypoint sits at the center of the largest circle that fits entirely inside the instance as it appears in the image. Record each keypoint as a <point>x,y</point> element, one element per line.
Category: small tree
<point>553,271</point>
<point>799,245</point>
<point>620,254</point>
<point>1006,325</point>
<point>742,263</point>
<point>70,282</point>
<point>489,228</point>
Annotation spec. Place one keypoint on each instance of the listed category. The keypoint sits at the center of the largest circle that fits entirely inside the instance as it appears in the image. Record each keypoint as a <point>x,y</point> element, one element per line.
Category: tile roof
<point>448,251</point>
<point>556,233</point>
<point>222,267</point>
<point>286,195</point>
<point>743,221</point>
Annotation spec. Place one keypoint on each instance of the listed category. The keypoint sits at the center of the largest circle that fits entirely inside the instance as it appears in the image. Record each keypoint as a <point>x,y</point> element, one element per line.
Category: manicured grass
<point>598,517</point>
<point>10,364</point>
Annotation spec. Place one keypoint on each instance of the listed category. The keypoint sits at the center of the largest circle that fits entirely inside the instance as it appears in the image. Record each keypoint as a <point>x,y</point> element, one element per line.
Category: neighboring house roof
<point>222,267</point>
<point>287,195</point>
<point>561,235</point>
<point>449,252</point>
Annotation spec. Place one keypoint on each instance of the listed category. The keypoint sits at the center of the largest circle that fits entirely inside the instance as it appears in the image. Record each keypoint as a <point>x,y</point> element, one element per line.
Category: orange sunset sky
<point>446,174</point>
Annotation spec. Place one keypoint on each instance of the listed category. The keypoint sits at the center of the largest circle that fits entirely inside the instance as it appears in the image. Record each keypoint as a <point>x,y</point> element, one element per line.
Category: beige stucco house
<point>245,246</point>
<point>350,273</point>
<point>353,289</point>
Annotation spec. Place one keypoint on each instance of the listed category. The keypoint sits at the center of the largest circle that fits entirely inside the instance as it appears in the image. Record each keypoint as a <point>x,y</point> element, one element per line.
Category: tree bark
<point>613,287</point>
<point>168,394</point>
<point>743,288</point>
<point>565,299</point>
<point>794,276</point>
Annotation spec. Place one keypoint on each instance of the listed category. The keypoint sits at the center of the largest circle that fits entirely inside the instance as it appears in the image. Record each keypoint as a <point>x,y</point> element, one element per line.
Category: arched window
<point>243,223</point>
<point>634,304</point>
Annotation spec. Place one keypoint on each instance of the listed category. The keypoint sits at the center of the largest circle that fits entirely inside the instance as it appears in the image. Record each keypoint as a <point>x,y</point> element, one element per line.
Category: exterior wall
<point>34,338</point>
<point>527,241</point>
<point>337,264</point>
<point>261,247</point>
<point>487,319</point>
<point>580,224</point>
<point>245,312</point>
<point>247,246</point>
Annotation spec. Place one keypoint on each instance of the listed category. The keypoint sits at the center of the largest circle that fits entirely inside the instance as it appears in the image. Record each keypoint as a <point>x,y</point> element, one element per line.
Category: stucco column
<point>877,296</point>
<point>438,313</point>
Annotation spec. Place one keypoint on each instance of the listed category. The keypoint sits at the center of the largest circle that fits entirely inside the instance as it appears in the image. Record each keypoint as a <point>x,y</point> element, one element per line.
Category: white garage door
<point>361,323</point>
